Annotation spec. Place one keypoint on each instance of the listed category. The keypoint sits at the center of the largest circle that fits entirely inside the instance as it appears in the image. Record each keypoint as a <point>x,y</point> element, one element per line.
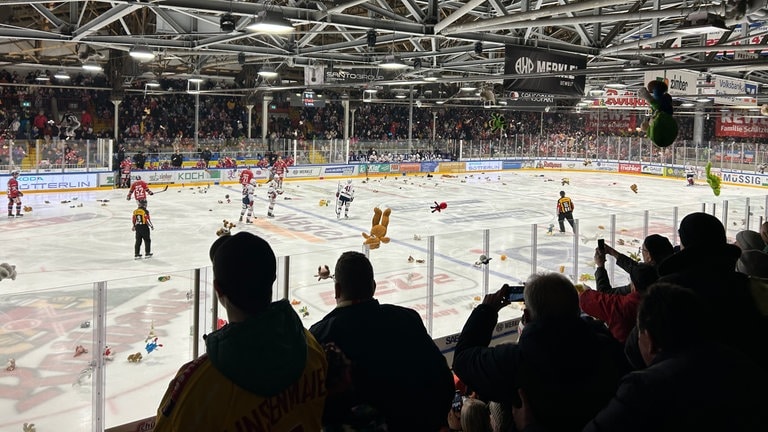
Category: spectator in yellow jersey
<point>564,211</point>
<point>263,370</point>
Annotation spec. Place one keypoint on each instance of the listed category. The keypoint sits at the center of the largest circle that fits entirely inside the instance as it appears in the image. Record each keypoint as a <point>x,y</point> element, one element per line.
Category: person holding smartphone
<point>568,366</point>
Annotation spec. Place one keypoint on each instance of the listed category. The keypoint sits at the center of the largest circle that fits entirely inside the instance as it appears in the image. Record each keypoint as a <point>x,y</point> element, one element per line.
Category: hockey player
<point>14,194</point>
<point>345,195</point>
<point>140,190</point>
<point>279,168</point>
<point>272,194</point>
<point>125,173</point>
<point>246,175</point>
<point>690,176</point>
<point>141,226</point>
<point>248,189</point>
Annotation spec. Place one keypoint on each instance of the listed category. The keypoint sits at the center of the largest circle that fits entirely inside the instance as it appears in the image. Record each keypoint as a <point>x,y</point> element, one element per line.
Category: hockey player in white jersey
<point>272,194</point>
<point>247,210</point>
<point>345,195</point>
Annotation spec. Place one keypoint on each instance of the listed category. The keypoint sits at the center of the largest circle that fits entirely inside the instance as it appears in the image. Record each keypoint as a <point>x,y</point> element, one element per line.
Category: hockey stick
<point>164,189</point>
<point>338,192</point>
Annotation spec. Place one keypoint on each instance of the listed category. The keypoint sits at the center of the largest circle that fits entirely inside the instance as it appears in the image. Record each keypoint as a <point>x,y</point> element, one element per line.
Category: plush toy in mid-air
<point>662,127</point>
<point>379,226</point>
<point>323,272</point>
<point>633,187</point>
<point>712,179</point>
<point>438,207</point>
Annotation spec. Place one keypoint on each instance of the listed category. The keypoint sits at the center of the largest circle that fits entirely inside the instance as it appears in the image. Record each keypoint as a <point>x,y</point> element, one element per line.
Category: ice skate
<point>241,219</point>
<point>248,221</point>
<point>19,215</point>
<point>270,215</point>
<point>149,255</point>
<point>137,257</point>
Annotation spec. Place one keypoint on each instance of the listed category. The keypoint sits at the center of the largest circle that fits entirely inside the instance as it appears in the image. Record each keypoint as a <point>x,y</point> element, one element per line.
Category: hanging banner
<point>530,61</point>
<point>679,82</point>
<point>614,122</point>
<point>620,99</point>
<point>730,124</point>
<point>734,91</point>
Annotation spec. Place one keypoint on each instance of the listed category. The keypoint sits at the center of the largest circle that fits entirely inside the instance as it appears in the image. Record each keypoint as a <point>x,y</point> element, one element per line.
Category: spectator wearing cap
<point>753,263</point>
<point>263,370</point>
<point>619,312</point>
<point>397,370</point>
<point>568,366</point>
<point>749,240</point>
<point>655,249</point>
<point>691,383</point>
<point>706,264</point>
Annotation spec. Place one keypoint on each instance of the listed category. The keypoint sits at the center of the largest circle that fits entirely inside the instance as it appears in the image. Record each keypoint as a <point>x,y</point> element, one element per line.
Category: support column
<point>265,119</point>
<point>116,103</point>
<point>250,119</point>
<point>698,127</point>
<point>345,104</point>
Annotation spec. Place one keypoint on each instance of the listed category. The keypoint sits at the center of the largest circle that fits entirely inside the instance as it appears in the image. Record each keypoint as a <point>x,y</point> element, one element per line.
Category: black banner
<point>531,61</point>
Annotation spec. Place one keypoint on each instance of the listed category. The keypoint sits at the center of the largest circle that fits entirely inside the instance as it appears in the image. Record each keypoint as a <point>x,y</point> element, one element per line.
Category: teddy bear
<point>7,271</point>
<point>379,225</point>
<point>662,127</point>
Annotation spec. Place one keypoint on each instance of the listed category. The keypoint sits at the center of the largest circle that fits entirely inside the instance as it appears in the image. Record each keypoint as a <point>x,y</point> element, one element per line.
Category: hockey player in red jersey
<point>140,190</point>
<point>279,168</point>
<point>14,195</point>
<point>246,176</point>
<point>125,173</point>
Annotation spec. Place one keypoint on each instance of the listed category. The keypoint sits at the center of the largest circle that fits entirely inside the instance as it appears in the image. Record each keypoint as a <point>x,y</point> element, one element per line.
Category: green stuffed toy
<point>713,180</point>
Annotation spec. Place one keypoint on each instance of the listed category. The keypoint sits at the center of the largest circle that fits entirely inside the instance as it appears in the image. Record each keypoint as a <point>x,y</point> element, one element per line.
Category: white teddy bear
<point>7,271</point>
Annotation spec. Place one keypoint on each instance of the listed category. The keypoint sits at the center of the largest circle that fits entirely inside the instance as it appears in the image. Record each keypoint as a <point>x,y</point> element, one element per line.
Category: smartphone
<point>601,245</point>
<point>515,293</point>
<point>458,402</point>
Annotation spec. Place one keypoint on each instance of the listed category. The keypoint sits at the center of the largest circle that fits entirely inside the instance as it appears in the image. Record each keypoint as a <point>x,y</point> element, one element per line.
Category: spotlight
<point>478,47</point>
<point>227,23</point>
<point>241,58</point>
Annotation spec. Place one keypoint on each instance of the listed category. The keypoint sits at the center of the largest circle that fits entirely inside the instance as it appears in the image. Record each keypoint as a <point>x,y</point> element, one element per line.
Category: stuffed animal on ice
<point>633,187</point>
<point>712,179</point>
<point>438,207</point>
<point>226,229</point>
<point>7,271</point>
<point>662,127</point>
<point>135,357</point>
<point>323,272</point>
<point>379,226</point>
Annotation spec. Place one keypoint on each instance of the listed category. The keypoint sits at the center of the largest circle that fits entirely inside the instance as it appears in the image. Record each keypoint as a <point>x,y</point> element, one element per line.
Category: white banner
<point>680,82</point>
<point>57,182</point>
<point>743,92</point>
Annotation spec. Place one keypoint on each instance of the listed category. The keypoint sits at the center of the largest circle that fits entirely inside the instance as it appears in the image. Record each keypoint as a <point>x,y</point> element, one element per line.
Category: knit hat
<point>753,263</point>
<point>244,267</point>
<point>702,230</point>
<point>659,247</point>
<point>748,240</point>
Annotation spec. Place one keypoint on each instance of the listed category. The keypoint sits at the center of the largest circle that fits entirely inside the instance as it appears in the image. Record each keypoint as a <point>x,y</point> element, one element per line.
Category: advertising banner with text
<point>531,61</point>
<point>53,182</point>
<point>730,124</point>
<point>609,121</point>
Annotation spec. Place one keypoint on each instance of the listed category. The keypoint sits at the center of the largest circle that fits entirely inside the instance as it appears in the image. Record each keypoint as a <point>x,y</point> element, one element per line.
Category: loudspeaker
<point>241,58</point>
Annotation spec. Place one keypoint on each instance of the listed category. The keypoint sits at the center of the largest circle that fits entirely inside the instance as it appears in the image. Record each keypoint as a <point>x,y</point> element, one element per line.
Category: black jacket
<point>176,160</point>
<point>569,369</point>
<point>736,320</point>
<point>396,367</point>
<point>705,388</point>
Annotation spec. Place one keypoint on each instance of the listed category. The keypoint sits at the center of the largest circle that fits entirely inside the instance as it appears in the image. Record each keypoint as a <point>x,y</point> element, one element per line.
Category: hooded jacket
<point>266,373</point>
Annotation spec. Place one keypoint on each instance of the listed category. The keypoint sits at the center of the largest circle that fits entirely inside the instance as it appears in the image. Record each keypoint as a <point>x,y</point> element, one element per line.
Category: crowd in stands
<point>681,348</point>
<point>166,121</point>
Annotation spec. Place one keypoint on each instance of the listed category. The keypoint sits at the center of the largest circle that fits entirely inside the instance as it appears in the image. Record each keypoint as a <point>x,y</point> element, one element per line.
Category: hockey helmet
<point>15,173</point>
<point>138,177</point>
<point>349,181</point>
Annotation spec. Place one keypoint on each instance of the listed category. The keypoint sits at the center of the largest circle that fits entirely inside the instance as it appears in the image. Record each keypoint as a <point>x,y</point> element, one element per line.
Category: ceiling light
<point>703,100</point>
<point>687,104</point>
<point>195,80</point>
<point>153,83</point>
<point>270,22</point>
<point>227,23</point>
<point>43,77</point>
<point>141,53</point>
<point>392,62</point>
<point>468,87</point>
<point>616,85</point>
<point>430,77</point>
<point>267,72</point>
<point>92,67</point>
<point>372,91</point>
<point>703,22</point>
<point>61,74</point>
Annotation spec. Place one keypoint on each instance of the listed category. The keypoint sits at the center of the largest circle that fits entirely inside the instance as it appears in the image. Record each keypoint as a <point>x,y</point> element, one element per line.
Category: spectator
<point>206,156</point>
<point>475,416</point>
<point>749,240</point>
<point>655,249</point>
<point>396,367</point>
<point>619,312</point>
<point>176,159</point>
<point>678,391</point>
<point>139,159</point>
<point>262,358</point>
<point>706,264</point>
<point>568,366</point>
<point>753,263</point>
<point>764,235</point>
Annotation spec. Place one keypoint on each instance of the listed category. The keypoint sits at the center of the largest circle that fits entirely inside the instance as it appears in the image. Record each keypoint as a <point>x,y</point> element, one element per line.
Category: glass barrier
<point>46,340</point>
<point>149,336</point>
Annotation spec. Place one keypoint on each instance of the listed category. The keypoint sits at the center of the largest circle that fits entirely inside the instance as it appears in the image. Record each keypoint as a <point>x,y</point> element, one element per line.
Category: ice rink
<point>71,240</point>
